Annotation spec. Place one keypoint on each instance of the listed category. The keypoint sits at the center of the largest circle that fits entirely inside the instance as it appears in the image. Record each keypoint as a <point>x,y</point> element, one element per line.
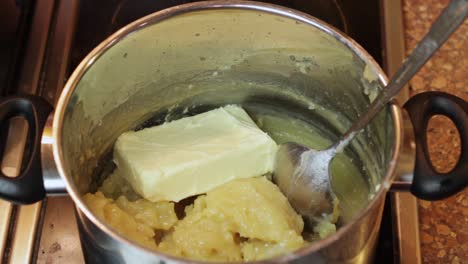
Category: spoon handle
<point>448,21</point>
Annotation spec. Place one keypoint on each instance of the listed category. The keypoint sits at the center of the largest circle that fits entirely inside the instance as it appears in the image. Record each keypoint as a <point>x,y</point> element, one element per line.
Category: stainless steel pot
<point>274,61</point>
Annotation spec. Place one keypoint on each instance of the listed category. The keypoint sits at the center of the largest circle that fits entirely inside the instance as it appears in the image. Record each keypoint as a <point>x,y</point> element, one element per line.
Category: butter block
<point>194,155</point>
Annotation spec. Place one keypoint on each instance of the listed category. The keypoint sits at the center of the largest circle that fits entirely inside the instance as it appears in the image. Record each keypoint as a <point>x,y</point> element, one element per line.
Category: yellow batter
<point>216,155</point>
<point>242,220</point>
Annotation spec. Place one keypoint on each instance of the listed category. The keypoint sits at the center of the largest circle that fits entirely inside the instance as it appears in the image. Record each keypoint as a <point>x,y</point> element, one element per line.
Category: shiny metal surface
<point>59,241</point>
<point>5,217</point>
<point>59,52</point>
<point>349,239</point>
<point>53,183</point>
<point>404,174</point>
<point>393,41</point>
<point>25,221</point>
<point>56,67</point>
<point>404,206</point>
<point>26,227</point>
<point>406,228</point>
<point>308,190</point>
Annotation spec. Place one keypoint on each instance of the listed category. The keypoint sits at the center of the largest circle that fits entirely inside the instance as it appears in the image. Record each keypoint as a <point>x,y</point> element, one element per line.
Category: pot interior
<point>299,80</point>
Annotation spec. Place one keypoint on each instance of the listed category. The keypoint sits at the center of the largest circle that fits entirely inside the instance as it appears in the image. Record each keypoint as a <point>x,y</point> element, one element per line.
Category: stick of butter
<point>194,155</point>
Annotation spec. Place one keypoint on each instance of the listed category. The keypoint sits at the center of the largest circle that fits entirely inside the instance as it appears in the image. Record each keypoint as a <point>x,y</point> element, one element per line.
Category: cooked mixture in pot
<point>197,188</point>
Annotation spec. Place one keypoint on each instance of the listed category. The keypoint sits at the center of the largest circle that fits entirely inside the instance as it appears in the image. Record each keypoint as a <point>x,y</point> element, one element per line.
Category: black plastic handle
<point>27,187</point>
<point>428,184</point>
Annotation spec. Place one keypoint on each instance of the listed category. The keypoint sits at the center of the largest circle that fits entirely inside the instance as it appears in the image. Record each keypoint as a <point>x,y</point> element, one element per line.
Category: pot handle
<point>28,186</point>
<point>428,184</point>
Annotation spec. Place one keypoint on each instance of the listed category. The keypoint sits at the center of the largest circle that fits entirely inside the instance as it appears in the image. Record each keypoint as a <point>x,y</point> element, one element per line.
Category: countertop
<point>443,224</point>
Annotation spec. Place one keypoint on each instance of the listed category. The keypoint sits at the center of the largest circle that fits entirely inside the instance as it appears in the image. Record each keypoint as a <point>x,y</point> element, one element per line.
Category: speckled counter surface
<point>443,224</point>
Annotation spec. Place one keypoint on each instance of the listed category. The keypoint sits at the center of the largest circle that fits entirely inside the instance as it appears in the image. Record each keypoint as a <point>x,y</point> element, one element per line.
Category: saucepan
<point>290,71</point>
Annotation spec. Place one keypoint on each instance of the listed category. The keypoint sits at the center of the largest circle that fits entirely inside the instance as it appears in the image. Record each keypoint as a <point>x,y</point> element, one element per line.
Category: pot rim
<point>171,12</point>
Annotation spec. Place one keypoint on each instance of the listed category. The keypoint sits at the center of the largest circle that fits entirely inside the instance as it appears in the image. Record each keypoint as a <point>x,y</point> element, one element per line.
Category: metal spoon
<point>302,174</point>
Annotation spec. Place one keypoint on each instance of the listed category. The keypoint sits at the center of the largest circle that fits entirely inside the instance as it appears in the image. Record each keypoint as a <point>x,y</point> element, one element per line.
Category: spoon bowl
<point>308,190</point>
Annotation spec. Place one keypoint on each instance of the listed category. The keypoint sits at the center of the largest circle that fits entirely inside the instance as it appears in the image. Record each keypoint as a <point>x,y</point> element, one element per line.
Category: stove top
<point>55,37</point>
